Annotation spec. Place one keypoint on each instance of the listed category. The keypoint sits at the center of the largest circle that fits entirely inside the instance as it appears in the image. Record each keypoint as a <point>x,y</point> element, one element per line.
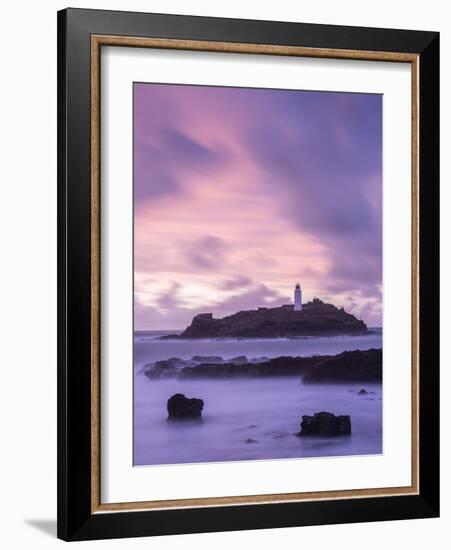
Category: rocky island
<point>316,318</point>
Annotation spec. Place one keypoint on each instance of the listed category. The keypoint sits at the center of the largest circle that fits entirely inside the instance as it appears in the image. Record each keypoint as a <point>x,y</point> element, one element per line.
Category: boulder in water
<point>181,407</point>
<point>325,424</point>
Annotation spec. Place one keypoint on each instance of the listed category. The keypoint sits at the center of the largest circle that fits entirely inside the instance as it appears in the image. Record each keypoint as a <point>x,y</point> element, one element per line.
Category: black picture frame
<point>76,520</point>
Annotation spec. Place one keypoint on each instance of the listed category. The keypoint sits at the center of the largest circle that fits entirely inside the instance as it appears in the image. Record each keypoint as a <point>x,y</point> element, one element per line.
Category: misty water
<point>253,418</point>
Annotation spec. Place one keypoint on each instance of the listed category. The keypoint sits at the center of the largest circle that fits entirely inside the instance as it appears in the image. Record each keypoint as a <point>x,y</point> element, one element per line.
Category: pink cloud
<point>239,193</point>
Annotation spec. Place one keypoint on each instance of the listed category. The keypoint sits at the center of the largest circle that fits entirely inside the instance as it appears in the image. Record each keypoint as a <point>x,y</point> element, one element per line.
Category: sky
<point>239,193</point>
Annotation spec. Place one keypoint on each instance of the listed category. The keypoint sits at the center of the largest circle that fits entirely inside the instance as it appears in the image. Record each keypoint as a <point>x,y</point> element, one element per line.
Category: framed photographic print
<point>248,274</point>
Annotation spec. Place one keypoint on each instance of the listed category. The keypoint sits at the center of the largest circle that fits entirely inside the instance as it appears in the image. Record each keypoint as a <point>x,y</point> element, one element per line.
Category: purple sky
<point>240,193</point>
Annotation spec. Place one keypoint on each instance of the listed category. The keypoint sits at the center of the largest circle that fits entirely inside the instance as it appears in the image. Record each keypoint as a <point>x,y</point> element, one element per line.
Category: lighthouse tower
<point>297,297</point>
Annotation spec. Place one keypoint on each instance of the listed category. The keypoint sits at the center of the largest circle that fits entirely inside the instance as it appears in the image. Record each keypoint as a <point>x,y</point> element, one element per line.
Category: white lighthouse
<point>297,297</point>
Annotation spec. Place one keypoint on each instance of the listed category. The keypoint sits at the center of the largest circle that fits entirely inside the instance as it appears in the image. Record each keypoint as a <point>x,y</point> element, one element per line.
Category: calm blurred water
<point>266,411</point>
<point>148,348</point>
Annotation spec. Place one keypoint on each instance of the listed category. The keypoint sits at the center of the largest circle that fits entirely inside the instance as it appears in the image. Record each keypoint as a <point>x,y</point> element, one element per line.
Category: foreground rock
<point>316,318</point>
<point>183,408</point>
<point>325,424</point>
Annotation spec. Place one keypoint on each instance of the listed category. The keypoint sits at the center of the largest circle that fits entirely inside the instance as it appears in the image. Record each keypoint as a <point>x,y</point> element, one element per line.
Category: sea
<point>250,418</point>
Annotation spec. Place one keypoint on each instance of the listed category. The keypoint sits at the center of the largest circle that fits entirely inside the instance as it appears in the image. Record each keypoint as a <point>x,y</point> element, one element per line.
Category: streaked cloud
<point>239,193</point>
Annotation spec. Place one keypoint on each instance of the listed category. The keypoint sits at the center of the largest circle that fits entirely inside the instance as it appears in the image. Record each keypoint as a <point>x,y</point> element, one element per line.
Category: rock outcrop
<point>184,408</point>
<point>316,318</point>
<point>349,366</point>
<point>170,368</point>
<point>325,424</point>
<point>280,366</point>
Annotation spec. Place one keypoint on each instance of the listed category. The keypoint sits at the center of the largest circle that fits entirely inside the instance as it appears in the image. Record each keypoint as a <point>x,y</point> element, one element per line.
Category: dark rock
<point>349,366</point>
<point>325,424</point>
<point>362,392</point>
<point>250,440</point>
<point>316,318</point>
<point>183,408</point>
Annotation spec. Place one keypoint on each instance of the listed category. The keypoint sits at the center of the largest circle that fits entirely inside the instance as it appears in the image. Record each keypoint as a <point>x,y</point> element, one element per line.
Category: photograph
<point>257,272</point>
<point>248,272</point>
